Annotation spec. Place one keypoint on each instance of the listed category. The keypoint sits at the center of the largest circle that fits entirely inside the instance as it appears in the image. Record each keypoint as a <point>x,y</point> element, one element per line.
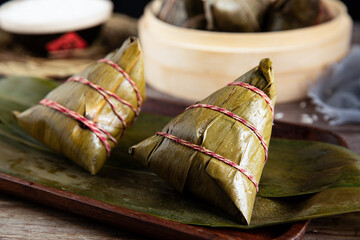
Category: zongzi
<point>293,14</point>
<point>184,13</point>
<point>235,15</point>
<point>84,117</point>
<point>215,15</point>
<point>244,15</point>
<point>217,148</point>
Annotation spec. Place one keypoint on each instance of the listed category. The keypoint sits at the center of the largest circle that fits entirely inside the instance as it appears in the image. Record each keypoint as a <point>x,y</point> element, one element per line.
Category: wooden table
<point>20,219</point>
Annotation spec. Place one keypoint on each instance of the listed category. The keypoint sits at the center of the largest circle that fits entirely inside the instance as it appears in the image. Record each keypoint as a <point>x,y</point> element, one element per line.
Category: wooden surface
<point>21,219</point>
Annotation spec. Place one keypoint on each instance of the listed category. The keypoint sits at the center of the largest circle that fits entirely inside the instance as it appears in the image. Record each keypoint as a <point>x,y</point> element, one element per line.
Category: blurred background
<point>124,22</point>
<point>136,8</point>
<point>108,35</point>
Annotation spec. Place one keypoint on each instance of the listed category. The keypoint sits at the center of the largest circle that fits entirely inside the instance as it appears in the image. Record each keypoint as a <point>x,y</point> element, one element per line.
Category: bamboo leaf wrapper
<point>71,138</point>
<point>189,170</point>
<point>215,15</point>
<point>185,13</point>
<point>293,14</point>
<point>235,15</point>
<point>244,15</point>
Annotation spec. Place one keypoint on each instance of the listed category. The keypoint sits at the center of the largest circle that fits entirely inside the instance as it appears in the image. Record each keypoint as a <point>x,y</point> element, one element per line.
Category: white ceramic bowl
<point>191,64</point>
<point>41,26</point>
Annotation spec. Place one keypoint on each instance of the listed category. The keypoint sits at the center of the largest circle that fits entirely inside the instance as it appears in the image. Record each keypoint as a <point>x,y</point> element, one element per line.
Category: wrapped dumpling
<point>184,13</point>
<point>293,14</point>
<point>235,15</point>
<point>217,148</point>
<point>215,15</point>
<point>84,117</point>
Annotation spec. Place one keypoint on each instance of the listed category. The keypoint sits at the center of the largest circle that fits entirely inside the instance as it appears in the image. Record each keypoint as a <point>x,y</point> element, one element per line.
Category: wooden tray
<point>152,226</point>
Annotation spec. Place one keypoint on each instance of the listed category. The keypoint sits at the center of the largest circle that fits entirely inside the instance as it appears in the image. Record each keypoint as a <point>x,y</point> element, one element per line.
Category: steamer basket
<point>191,64</point>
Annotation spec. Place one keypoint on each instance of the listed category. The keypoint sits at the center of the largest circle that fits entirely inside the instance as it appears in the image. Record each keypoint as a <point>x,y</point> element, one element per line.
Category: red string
<point>100,89</point>
<point>237,118</point>
<point>104,94</point>
<point>127,77</point>
<point>97,130</point>
<point>256,90</point>
<point>211,154</point>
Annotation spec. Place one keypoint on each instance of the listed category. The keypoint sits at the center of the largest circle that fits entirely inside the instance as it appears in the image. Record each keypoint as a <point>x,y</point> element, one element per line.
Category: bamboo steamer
<point>191,64</point>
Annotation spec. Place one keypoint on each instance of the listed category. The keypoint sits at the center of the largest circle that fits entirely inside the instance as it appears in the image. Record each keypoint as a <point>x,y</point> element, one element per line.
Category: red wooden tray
<point>152,226</point>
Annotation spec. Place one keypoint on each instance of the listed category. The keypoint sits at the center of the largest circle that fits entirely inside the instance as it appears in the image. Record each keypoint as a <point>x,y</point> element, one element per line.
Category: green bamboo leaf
<point>294,168</point>
<point>293,14</point>
<point>302,167</point>
<point>14,96</point>
<point>145,192</point>
<point>25,90</point>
